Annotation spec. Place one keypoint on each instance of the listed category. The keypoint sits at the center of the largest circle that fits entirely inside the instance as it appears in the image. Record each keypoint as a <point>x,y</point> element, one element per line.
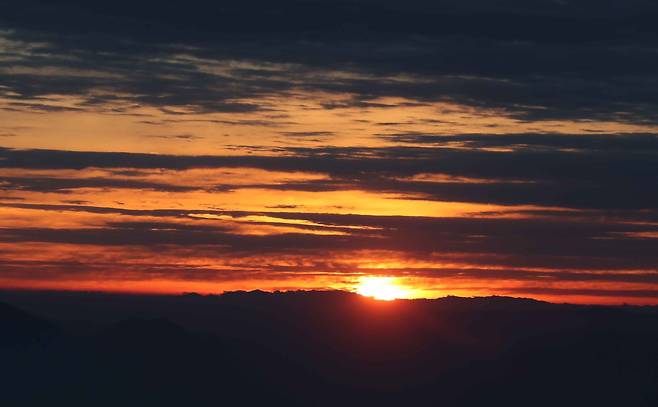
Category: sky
<point>454,147</point>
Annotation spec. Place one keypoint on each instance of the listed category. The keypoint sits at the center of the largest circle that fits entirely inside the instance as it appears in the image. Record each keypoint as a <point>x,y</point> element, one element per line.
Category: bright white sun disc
<point>380,288</point>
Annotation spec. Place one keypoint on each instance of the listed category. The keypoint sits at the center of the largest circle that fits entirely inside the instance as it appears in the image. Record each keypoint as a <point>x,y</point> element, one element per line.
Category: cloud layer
<point>465,147</point>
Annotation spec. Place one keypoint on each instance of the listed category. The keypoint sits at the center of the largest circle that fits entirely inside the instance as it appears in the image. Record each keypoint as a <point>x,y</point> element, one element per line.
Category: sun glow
<point>381,288</point>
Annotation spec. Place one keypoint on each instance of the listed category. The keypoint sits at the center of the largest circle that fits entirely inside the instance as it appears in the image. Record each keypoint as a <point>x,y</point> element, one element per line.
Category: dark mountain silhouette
<point>20,329</point>
<point>328,348</point>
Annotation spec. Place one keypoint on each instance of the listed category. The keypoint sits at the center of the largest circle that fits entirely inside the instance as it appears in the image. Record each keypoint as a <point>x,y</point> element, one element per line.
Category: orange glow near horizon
<point>233,171</point>
<point>287,221</point>
<point>382,288</point>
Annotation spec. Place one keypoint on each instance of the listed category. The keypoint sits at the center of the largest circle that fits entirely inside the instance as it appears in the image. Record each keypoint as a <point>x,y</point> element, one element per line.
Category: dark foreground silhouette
<point>322,348</point>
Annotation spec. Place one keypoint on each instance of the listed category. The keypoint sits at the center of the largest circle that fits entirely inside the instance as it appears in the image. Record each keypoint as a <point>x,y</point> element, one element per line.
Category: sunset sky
<point>453,147</point>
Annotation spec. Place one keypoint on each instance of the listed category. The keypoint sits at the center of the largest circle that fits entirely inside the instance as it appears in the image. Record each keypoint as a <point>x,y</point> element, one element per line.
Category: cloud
<point>644,142</point>
<point>308,134</point>
<point>573,205</point>
<point>595,172</point>
<point>183,137</point>
<point>588,292</point>
<point>510,58</point>
<point>576,244</point>
<point>67,185</point>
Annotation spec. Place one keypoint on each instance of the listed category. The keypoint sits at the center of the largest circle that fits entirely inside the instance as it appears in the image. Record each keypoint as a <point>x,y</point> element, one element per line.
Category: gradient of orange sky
<point>176,267</point>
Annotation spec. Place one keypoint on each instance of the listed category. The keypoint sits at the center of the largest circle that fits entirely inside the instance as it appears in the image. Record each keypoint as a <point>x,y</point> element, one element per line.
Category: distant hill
<point>329,348</point>
<point>20,329</point>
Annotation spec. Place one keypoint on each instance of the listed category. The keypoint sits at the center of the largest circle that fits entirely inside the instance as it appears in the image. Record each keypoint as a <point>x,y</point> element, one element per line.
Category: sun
<point>381,288</point>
